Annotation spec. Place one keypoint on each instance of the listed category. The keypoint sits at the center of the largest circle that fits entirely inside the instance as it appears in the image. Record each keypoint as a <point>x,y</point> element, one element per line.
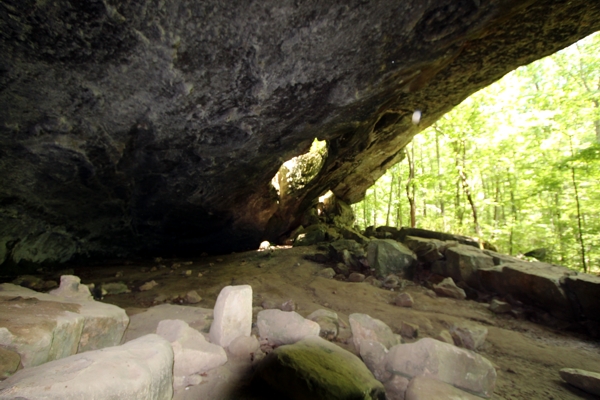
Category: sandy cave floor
<point>527,356</point>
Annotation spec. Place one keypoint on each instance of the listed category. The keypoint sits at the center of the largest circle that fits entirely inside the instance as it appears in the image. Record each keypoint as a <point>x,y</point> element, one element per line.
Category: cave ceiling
<point>146,126</point>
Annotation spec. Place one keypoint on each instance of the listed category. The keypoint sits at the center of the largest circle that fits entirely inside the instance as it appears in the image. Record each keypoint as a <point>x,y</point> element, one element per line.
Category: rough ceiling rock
<point>156,126</point>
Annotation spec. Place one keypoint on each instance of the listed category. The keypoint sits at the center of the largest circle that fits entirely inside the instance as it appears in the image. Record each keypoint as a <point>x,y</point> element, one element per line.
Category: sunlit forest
<point>517,165</point>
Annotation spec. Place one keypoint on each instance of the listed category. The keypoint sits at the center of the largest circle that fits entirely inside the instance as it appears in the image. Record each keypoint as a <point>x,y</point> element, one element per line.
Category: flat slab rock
<point>584,380</point>
<point>76,324</point>
<point>140,369</point>
<point>316,369</point>
<point>442,361</point>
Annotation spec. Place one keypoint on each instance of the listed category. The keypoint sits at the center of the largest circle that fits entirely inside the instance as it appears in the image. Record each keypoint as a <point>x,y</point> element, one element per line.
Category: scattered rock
<point>447,288</point>
<point>119,274</point>
<point>192,353</point>
<point>244,347</point>
<point>356,277</point>
<point>328,322</point>
<point>280,327</point>
<point>232,314</point>
<point>393,282</point>
<point>367,328</point>
<point>29,281</point>
<point>427,250</point>
<point>115,288</point>
<point>316,369</point>
<point>396,387</point>
<point>348,252</point>
<point>326,273</point>
<point>188,272</point>
<point>71,288</point>
<point>312,235</point>
<point>445,336</point>
<point>374,281</point>
<point>404,300</point>
<point>374,356</point>
<point>148,285</point>
<point>140,369</point>
<point>584,380</point>
<point>192,297</point>
<point>500,307</point>
<point>387,256</point>
<point>424,388</point>
<point>9,362</point>
<point>288,305</point>
<point>343,269</point>
<point>468,335</point>
<point>434,359</point>
<point>408,330</point>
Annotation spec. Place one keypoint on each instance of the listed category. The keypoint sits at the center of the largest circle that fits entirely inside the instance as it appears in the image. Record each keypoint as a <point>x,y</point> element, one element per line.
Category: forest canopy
<point>517,164</point>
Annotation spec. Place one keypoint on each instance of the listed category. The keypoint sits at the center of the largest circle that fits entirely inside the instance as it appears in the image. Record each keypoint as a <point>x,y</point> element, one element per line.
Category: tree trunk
<point>390,199</point>
<point>409,184</point>
<point>579,217</point>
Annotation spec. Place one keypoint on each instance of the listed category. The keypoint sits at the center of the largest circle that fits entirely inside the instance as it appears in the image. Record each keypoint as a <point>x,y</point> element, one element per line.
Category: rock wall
<point>156,127</point>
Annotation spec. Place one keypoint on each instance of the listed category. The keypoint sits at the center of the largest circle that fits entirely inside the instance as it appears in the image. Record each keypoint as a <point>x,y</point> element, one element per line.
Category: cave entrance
<point>299,171</point>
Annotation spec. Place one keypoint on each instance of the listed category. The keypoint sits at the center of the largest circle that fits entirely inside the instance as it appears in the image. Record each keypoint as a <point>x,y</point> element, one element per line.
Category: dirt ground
<point>527,356</point>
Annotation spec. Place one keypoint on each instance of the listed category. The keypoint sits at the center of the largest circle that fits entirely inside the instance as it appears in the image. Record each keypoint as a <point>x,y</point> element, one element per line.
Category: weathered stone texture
<point>144,126</point>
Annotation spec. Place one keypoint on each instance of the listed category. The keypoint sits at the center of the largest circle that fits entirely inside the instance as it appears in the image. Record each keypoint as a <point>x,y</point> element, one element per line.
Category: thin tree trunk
<point>411,198</point>
<point>374,207</point>
<point>579,217</point>
<point>390,199</point>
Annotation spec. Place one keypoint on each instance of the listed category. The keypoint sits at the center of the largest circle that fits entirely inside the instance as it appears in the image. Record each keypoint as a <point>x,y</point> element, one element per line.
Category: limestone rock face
<point>316,369</point>
<point>140,369</point>
<point>132,127</point>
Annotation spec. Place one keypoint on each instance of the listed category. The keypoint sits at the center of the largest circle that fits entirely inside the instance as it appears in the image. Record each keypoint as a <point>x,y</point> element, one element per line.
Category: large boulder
<point>140,369</point>
<point>444,362</point>
<point>584,290</point>
<point>386,256</point>
<point>533,283</point>
<point>427,250</point>
<point>60,326</point>
<point>315,369</point>
<point>584,380</point>
<point>462,263</point>
<point>423,388</point>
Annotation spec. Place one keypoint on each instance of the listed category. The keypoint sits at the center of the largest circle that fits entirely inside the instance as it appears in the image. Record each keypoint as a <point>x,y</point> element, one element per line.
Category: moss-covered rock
<point>315,369</point>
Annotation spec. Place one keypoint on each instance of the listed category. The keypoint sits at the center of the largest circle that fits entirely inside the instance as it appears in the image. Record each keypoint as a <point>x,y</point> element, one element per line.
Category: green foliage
<point>528,149</point>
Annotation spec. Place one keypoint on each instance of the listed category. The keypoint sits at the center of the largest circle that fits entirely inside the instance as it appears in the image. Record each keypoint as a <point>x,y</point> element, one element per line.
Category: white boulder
<point>140,369</point>
<point>284,327</point>
<point>232,315</point>
<point>371,329</point>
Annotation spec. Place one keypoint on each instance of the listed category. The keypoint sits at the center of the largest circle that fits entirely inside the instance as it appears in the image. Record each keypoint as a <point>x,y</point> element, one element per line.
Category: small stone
<point>269,305</point>
<point>175,265</point>
<point>328,322</point>
<point>119,274</point>
<point>244,347</point>
<point>326,273</point>
<point>49,285</point>
<point>188,272</point>
<point>158,259</point>
<point>468,335</point>
<point>219,260</point>
<point>391,282</point>
<point>71,288</point>
<point>500,307</point>
<point>404,300</point>
<point>289,305</point>
<point>161,298</point>
<point>374,281</point>
<point>192,297</point>
<point>584,380</point>
<point>409,330</point>
<point>264,246</point>
<point>356,277</point>
<point>187,263</point>
<point>115,288</point>
<point>448,288</point>
<point>396,387</point>
<point>199,274</point>
<point>445,336</point>
<point>9,362</point>
<point>148,285</point>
